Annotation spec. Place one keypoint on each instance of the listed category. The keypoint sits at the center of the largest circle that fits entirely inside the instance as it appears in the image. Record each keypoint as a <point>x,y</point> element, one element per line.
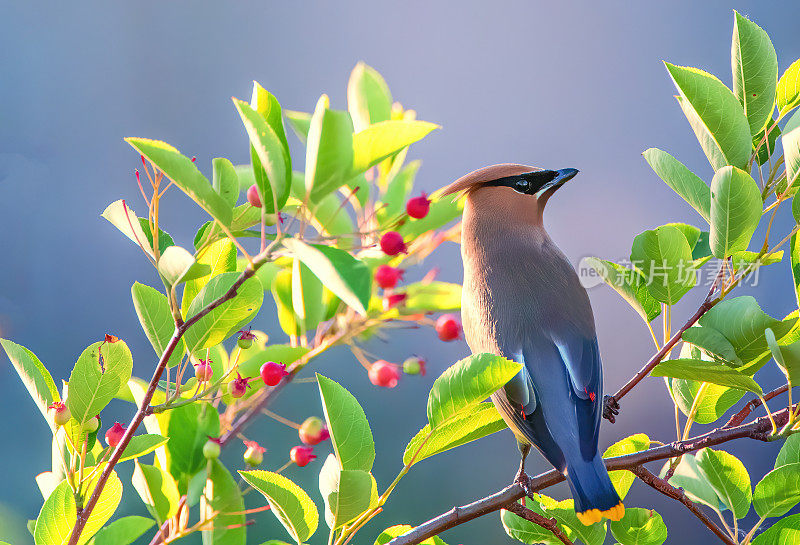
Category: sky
<point>554,84</point>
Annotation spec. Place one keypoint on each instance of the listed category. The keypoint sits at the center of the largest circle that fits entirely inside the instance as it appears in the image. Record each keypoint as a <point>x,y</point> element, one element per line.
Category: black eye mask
<point>529,183</point>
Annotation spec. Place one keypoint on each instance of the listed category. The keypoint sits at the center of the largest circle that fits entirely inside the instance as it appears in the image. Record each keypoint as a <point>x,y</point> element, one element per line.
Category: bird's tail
<point>593,492</point>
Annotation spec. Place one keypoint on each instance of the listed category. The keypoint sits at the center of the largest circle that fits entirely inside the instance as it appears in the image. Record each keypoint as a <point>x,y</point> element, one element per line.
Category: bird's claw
<point>610,408</point>
<point>524,481</point>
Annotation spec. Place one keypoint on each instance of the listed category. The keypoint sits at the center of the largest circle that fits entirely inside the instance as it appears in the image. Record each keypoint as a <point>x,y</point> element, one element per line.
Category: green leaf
<point>269,158</point>
<point>157,489</point>
<point>790,140</point>
<point>525,531</point>
<point>34,375</point>
<point>350,432</point>
<point>715,115</point>
<point>397,191</point>
<point>123,531</point>
<point>787,357</point>
<point>735,211</point>
<point>340,272</point>
<point>778,491</point>
<point>347,493</point>
<point>712,341</point>
<point>282,293</point>
<point>225,181</point>
<point>139,445</point>
<point>788,90</point>
<point>790,451</point>
<point>288,502</point>
<point>177,265</point>
<point>123,218</point>
<point>710,401</point>
<point>630,284</point>
<point>432,296</point>
<point>441,212</point>
<point>729,479</point>
<point>189,428</point>
<point>467,383</point>
<point>222,495</point>
<point>392,532</point>
<point>689,477</point>
<point>227,318</point>
<point>476,422</point>
<point>306,296</point>
<point>742,259</point>
<point>329,150</point>
<point>622,479</point>
<point>704,371</point>
<point>270,110</point>
<point>183,172</point>
<point>94,383</point>
<point>784,532</point>
<point>219,257</point>
<point>754,65</point>
<point>300,123</point>
<point>57,516</point>
<point>639,527</point>
<point>381,140</point>
<point>682,180</point>
<point>154,314</point>
<point>564,513</point>
<point>766,148</point>
<point>664,257</point>
<point>368,98</point>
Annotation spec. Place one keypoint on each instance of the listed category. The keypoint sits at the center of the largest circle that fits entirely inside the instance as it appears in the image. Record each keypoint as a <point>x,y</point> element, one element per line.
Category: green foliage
<point>152,308</point>
<point>99,374</point>
<point>783,532</point>
<point>778,491</point>
<point>157,489</point>
<point>630,284</point>
<point>705,371</point>
<point>138,446</point>
<point>754,65</point>
<point>639,527</point>
<point>728,478</point>
<point>665,258</point>
<point>34,375</point>
<point>123,531</point>
<point>347,492</point>
<point>735,211</point>
<point>682,180</point>
<point>348,426</point>
<point>622,479</point>
<point>222,495</point>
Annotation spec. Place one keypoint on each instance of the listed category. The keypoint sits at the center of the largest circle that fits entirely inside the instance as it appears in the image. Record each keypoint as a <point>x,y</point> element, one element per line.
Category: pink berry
<point>272,373</point>
<point>238,386</point>
<point>387,276</point>
<point>384,374</point>
<point>448,327</point>
<point>392,243</point>
<point>203,370</point>
<point>418,206</point>
<point>60,412</point>
<point>114,434</point>
<point>252,196</point>
<point>302,455</point>
<point>313,431</point>
<point>254,454</point>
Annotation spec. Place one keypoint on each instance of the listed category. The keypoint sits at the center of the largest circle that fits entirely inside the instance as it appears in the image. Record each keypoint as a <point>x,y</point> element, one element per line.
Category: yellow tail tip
<point>593,516</point>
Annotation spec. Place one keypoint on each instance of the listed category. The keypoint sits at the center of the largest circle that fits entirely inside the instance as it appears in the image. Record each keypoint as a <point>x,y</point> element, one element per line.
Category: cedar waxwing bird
<point>523,300</point>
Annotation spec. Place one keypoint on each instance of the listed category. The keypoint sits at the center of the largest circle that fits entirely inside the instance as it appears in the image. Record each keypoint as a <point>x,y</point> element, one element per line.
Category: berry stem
<point>280,419</point>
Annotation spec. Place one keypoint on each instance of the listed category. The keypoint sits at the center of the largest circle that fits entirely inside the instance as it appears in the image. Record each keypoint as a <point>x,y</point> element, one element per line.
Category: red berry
<point>384,374</point>
<point>392,243</point>
<point>387,276</point>
<point>414,366</point>
<point>418,206</point>
<point>60,412</point>
<point>272,373</point>
<point>238,386</point>
<point>114,434</point>
<point>448,327</point>
<point>391,301</point>
<point>313,431</point>
<point>302,455</point>
<point>252,196</point>
<point>203,370</point>
<point>254,454</point>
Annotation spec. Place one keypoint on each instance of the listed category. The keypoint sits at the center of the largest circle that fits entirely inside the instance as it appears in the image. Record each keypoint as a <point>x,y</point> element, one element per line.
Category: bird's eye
<point>522,185</point>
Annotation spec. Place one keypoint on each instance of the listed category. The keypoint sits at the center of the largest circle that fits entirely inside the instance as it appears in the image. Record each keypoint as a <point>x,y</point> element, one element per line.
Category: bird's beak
<point>564,175</point>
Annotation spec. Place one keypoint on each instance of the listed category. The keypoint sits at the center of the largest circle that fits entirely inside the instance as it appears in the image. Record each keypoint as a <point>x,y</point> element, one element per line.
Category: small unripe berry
<point>384,374</point>
<point>203,371</point>
<point>238,386</point>
<point>393,300</point>
<point>60,412</point>
<point>211,448</point>
<point>414,366</point>
<point>387,276</point>
<point>392,243</point>
<point>114,434</point>
<point>252,196</point>
<point>313,431</point>
<point>448,327</point>
<point>91,425</point>
<point>254,454</point>
<point>272,373</point>
<point>418,206</point>
<point>302,455</point>
<point>245,339</point>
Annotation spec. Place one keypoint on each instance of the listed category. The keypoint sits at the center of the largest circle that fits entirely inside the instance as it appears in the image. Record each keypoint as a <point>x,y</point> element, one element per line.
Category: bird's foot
<point>610,408</point>
<point>523,481</point>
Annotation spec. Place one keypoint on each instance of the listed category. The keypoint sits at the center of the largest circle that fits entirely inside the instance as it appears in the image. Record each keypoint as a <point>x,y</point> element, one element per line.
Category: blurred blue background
<point>553,84</point>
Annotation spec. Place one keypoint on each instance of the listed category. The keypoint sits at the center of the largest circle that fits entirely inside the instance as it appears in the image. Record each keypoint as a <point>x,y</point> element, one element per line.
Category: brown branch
<point>83,514</point>
<point>536,518</point>
<point>611,403</point>
<point>752,405</point>
<point>758,429</point>
<point>661,485</point>
<point>160,534</point>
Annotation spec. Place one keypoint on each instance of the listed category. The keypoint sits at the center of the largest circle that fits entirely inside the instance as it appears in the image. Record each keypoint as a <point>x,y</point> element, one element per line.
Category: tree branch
<point>536,518</point>
<point>678,494</point>
<point>83,514</point>
<point>758,429</point>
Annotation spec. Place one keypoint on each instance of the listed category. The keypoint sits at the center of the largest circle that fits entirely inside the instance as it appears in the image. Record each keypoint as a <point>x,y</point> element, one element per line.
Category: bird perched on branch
<point>523,300</point>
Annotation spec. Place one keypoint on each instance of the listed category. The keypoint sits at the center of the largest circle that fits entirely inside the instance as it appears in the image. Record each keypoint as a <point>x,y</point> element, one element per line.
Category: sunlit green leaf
<point>347,493</point>
<point>682,180</point>
<point>526,531</point>
<point>630,284</point>
<point>788,90</point>
<point>329,150</point>
<point>790,451</point>
<point>381,140</point>
<point>639,527</point>
<point>99,374</point>
<point>712,341</point>
<point>139,445</point>
<point>688,476</point>
<point>222,495</point>
<point>735,211</point>
<point>306,296</point>
<point>177,265</point>
<point>349,429</point>
<point>368,98</point>
<point>432,296</point>
<point>664,257</point>
<point>225,181</point>
<point>34,375</point>
<point>157,489</point>
<point>300,123</point>
<point>392,532</point>
<point>778,491</point>
<point>189,428</point>
<point>219,257</point>
<point>784,532</point>
<point>622,479</point>
<point>123,531</point>
<point>705,371</point>
<point>790,140</point>
<point>728,477</point>
<point>754,65</point>
<point>152,308</point>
